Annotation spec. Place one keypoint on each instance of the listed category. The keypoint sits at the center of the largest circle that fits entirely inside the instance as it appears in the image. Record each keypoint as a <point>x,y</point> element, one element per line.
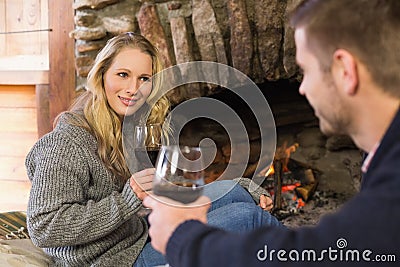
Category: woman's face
<point>127,82</point>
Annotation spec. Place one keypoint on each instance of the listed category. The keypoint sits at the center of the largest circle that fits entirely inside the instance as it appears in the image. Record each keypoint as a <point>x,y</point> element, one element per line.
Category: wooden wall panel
<point>23,15</point>
<point>18,130</point>
<point>17,96</point>
<point>14,195</point>
<point>13,169</point>
<point>19,48</point>
<point>24,59</point>
<point>18,143</point>
<point>17,119</point>
<point>2,27</point>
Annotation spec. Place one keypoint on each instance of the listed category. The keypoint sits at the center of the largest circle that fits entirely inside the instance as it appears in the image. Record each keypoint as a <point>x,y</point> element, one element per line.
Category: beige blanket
<point>21,253</point>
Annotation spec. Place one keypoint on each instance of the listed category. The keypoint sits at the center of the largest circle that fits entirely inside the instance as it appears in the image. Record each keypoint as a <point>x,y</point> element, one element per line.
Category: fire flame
<point>282,153</point>
<point>270,171</point>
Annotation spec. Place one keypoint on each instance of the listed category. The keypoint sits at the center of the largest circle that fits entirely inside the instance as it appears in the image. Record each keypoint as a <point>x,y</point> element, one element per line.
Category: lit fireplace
<point>291,183</point>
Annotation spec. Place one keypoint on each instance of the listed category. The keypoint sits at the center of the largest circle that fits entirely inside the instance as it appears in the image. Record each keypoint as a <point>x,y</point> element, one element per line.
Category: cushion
<point>16,248</point>
<point>21,253</point>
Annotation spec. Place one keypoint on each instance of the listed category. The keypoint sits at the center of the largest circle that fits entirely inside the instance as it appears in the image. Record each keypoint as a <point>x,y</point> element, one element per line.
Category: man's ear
<point>344,71</point>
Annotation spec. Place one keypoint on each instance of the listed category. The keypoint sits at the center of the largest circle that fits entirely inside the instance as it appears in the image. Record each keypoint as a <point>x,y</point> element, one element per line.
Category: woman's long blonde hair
<point>99,118</point>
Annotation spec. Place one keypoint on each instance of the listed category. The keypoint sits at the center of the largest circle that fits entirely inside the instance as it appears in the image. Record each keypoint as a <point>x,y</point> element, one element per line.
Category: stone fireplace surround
<point>249,35</point>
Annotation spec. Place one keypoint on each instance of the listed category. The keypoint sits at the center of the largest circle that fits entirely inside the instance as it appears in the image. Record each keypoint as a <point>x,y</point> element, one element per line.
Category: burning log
<point>290,182</point>
<point>278,166</point>
<point>280,163</point>
<point>308,186</point>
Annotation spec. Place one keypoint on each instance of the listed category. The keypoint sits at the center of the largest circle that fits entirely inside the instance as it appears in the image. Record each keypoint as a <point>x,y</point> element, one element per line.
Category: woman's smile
<point>128,101</point>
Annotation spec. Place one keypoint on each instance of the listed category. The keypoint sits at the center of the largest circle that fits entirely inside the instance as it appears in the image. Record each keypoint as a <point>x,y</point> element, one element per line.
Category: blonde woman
<point>83,204</point>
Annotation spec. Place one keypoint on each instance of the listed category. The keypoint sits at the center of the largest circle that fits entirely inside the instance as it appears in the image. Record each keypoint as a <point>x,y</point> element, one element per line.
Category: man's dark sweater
<point>365,232</point>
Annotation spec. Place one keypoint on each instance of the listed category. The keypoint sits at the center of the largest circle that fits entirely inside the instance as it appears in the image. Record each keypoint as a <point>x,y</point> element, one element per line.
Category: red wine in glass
<point>147,143</point>
<point>147,156</point>
<point>179,173</point>
<point>185,192</point>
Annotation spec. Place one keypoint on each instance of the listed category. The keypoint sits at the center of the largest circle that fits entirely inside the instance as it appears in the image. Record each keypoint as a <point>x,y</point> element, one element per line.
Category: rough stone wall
<point>249,35</point>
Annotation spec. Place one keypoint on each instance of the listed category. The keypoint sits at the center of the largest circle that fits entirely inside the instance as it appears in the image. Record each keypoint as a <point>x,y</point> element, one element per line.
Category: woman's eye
<point>122,74</point>
<point>145,79</point>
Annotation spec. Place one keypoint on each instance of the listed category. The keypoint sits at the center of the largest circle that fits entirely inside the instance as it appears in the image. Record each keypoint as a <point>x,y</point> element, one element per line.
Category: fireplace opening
<point>321,173</point>
<point>288,108</point>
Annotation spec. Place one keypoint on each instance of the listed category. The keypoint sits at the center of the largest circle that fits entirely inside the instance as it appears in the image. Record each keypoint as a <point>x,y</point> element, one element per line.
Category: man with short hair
<point>349,52</point>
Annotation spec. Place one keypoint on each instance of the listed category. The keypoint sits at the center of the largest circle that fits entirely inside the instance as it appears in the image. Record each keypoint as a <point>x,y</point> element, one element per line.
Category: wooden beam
<point>23,77</point>
<point>44,124</point>
<point>61,56</point>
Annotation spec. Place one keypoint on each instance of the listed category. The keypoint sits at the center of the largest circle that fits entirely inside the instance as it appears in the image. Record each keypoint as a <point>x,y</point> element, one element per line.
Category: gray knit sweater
<point>76,212</point>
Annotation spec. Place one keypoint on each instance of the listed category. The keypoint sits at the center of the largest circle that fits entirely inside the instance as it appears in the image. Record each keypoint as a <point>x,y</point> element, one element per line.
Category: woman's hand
<point>141,182</point>
<point>266,203</point>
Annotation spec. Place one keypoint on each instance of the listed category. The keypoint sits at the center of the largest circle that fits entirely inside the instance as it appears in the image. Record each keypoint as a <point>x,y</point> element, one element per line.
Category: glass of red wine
<point>179,173</point>
<point>146,145</point>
